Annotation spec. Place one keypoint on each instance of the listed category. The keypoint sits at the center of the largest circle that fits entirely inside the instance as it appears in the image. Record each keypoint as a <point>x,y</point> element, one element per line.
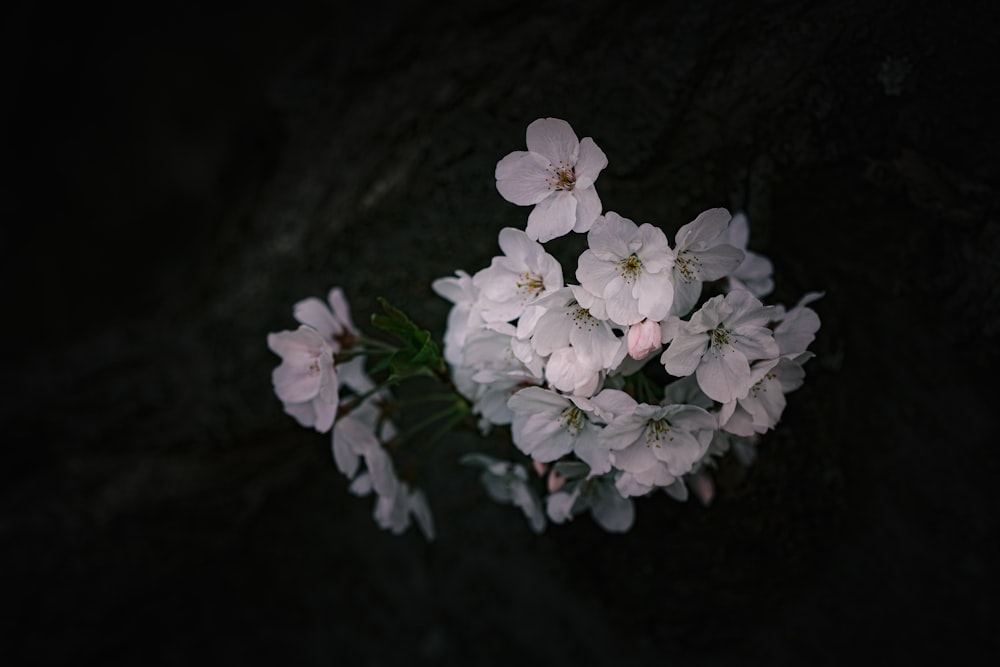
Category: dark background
<point>178,179</point>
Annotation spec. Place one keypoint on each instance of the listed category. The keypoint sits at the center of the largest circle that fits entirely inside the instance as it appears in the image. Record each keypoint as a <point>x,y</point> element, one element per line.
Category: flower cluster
<point>570,367</point>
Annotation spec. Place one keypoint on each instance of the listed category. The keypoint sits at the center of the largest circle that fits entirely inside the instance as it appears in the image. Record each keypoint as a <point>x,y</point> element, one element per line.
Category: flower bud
<point>643,339</point>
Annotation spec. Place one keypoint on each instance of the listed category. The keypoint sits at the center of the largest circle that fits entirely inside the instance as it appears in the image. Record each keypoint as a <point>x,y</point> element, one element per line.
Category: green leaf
<point>419,353</point>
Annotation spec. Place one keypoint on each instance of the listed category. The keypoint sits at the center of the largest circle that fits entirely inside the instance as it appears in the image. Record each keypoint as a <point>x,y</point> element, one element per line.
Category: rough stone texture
<point>181,180</point>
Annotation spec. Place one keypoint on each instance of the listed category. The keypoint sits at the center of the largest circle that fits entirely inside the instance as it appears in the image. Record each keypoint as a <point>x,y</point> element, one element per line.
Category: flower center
<point>688,266</point>
<point>630,268</point>
<point>657,431</point>
<point>582,318</point>
<point>563,176</point>
<point>720,337</point>
<point>530,284</point>
<point>572,420</point>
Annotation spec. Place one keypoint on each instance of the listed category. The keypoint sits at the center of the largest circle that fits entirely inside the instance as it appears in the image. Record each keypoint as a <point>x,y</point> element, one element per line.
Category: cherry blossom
<point>556,175</point>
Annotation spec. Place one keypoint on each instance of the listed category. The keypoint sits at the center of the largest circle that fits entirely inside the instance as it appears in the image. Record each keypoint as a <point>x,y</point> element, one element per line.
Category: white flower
<point>465,315</point>
<point>331,322</point>
<point>573,348</point>
<point>754,273</point>
<point>507,483</point>
<point>701,256</point>
<point>546,426</point>
<point>612,512</point>
<point>557,175</point>
<point>629,267</point>
<point>674,436</point>
<point>354,440</point>
<point>797,328</point>
<point>305,381</point>
<point>392,512</point>
<point>515,280</point>
<point>719,342</point>
<point>760,409</point>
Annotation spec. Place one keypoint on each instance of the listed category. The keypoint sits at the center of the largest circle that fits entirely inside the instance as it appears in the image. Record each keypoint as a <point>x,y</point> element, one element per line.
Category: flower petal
<point>588,208</point>
<point>522,178</point>
<point>552,217</point>
<point>724,374</point>
<point>555,140</point>
<point>592,161</point>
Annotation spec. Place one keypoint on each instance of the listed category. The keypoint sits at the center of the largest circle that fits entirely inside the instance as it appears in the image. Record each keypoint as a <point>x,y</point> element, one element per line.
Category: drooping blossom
<point>507,483</point>
<point>754,272</point>
<point>306,381</point>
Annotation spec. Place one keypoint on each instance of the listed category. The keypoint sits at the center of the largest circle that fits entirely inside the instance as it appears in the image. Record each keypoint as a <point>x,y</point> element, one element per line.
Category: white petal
<point>294,383</point>
<point>684,353</point>
<point>522,178</point>
<point>724,374</point>
<point>555,140</point>
<point>591,162</point>
<point>552,217</point>
<point>655,295</point>
<point>703,230</point>
<point>718,261</point>
<point>315,313</point>
<point>637,457</point>
<point>588,208</point>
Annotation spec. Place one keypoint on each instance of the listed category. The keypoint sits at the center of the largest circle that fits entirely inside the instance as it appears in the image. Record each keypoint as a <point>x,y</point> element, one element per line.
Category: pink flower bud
<point>703,488</point>
<point>643,339</point>
<point>556,481</point>
<point>539,467</point>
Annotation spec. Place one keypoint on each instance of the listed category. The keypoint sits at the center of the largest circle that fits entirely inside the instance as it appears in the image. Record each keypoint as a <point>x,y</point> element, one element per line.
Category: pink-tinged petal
<point>326,413</point>
<point>296,383</point>
<point>301,343</point>
<point>643,339</point>
<point>341,310</point>
<point>724,374</point>
<point>588,208</point>
<point>684,353</point>
<point>344,452</point>
<point>555,140</point>
<point>316,314</point>
<point>703,230</point>
<point>592,161</point>
<point>523,178</point>
<point>552,217</point>
<point>718,261</point>
<point>790,375</point>
<point>703,488</point>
